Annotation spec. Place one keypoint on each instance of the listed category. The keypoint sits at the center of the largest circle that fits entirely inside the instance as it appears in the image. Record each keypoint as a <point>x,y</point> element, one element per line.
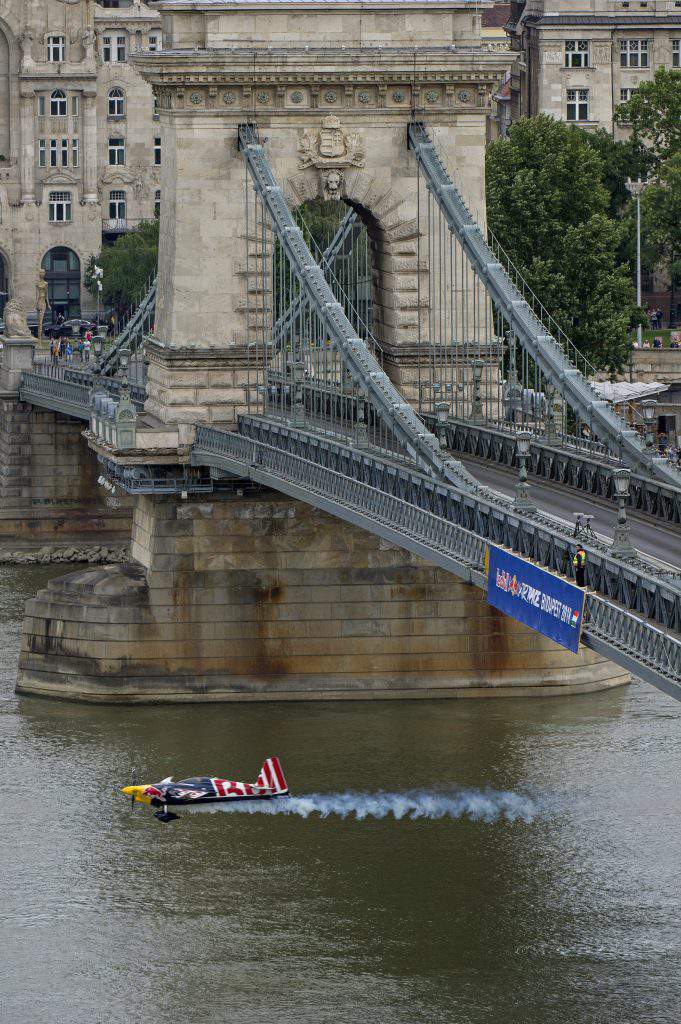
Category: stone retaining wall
<point>248,599</point>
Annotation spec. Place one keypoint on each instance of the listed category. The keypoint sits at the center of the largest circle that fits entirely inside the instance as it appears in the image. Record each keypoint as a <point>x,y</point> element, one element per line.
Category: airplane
<point>206,789</point>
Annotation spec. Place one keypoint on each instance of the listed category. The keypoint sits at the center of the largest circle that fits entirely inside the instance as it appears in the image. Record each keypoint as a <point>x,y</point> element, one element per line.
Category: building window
<point>155,109</point>
<point>157,203</point>
<point>65,152</point>
<point>56,48</point>
<point>116,205</point>
<point>41,106</point>
<point>53,152</point>
<point>74,106</point>
<point>114,49</point>
<point>157,150</point>
<point>116,152</point>
<point>60,207</point>
<point>626,94</point>
<point>42,151</point>
<point>576,53</point>
<point>578,104</point>
<point>634,53</point>
<point>75,155</point>
<point>116,103</point>
<point>154,43</point>
<point>58,104</point>
<point>676,53</point>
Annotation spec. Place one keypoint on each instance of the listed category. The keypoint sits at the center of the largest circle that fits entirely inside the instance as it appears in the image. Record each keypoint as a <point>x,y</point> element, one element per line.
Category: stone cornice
<point>317,68</point>
<point>228,6</point>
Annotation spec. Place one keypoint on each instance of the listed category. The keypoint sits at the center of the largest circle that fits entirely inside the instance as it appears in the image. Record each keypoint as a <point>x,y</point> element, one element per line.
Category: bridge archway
<point>62,266</point>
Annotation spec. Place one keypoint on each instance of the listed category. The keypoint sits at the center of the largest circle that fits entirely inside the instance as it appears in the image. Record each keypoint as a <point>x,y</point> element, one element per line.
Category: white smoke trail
<point>477,805</point>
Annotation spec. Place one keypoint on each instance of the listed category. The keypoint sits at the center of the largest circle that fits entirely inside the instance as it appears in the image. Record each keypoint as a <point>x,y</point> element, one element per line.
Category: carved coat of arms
<point>330,147</point>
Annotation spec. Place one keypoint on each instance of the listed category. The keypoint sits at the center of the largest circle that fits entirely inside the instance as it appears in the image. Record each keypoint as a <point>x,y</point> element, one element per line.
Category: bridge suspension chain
<point>494,352</point>
<point>323,367</point>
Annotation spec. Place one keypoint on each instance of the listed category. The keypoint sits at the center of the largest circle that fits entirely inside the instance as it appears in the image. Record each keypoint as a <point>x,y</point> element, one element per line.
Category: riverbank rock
<point>48,554</point>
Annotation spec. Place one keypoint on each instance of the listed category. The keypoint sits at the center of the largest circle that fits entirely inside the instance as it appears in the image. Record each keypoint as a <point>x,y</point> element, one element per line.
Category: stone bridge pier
<point>48,475</point>
<point>259,597</point>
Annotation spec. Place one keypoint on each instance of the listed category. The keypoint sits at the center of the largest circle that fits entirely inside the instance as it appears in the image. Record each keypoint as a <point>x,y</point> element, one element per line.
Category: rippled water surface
<point>570,913</point>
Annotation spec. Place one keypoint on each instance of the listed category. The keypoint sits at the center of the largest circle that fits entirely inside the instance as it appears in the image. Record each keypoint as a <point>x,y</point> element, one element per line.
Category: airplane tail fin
<point>272,776</point>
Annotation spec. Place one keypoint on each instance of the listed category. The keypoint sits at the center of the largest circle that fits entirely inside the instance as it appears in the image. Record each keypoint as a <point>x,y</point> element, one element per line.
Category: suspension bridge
<point>328,403</point>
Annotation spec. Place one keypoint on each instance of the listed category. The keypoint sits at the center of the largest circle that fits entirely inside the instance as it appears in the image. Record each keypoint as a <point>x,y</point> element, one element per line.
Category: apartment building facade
<point>579,59</point>
<point>80,144</point>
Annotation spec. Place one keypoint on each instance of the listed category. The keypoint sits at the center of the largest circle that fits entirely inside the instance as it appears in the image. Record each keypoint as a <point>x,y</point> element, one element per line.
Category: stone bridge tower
<point>332,87</point>
<point>250,595</point>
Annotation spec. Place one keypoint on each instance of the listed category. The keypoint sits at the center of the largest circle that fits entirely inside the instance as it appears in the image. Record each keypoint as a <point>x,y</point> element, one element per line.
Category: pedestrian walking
<point>69,352</point>
<point>579,565</point>
<point>87,345</point>
<point>54,351</point>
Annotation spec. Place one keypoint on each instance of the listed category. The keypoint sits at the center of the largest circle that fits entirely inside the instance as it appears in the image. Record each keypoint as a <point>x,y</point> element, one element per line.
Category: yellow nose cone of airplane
<point>137,792</point>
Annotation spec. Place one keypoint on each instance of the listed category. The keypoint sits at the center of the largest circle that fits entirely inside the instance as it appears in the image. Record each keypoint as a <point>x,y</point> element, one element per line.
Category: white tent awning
<point>623,391</point>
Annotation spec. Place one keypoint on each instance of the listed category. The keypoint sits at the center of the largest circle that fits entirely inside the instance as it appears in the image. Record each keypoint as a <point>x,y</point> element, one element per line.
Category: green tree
<point>548,206</point>
<point>661,217</point>
<point>654,114</point>
<point>621,160</point>
<point>127,264</point>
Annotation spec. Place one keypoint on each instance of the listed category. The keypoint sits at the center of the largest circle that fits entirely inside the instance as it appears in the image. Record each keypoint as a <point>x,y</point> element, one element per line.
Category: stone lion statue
<point>15,321</point>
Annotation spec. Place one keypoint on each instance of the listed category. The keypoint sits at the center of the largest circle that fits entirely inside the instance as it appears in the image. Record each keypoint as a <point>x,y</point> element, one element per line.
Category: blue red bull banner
<point>547,603</point>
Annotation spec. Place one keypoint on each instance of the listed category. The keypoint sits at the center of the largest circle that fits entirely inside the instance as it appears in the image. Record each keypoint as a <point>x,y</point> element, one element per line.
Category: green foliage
<point>654,114</point>
<point>128,265</point>
<point>621,160</point>
<point>548,206</point>
<point>661,217</point>
<point>322,218</point>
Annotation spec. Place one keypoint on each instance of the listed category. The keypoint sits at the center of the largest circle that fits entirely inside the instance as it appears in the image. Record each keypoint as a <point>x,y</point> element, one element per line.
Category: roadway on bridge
<point>648,535</point>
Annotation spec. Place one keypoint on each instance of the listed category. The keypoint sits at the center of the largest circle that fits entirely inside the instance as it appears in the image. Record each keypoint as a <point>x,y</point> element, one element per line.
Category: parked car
<point>74,328</point>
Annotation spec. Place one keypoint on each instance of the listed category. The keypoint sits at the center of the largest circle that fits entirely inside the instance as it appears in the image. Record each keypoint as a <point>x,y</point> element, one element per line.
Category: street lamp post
<point>441,410</point>
<point>635,188</point>
<point>649,406</point>
<point>550,414</point>
<point>477,415</point>
<point>621,544</point>
<point>298,400</point>
<point>361,432</point>
<point>522,490</point>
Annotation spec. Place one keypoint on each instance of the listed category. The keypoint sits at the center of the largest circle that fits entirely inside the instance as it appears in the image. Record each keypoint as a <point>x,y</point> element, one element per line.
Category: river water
<point>568,913</point>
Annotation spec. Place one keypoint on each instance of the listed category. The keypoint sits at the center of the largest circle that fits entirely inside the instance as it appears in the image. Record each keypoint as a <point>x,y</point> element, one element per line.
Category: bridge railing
<point>560,462</point>
<point>625,637</point>
<point>641,585</point>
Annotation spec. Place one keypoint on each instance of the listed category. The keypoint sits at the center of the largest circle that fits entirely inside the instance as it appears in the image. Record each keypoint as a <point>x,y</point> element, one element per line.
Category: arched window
<point>63,281</point>
<point>117,205</point>
<point>157,203</point>
<point>58,103</point>
<point>116,103</point>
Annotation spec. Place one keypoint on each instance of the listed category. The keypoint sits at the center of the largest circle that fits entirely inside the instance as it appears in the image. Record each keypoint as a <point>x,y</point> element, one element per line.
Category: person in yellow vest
<point>579,565</point>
